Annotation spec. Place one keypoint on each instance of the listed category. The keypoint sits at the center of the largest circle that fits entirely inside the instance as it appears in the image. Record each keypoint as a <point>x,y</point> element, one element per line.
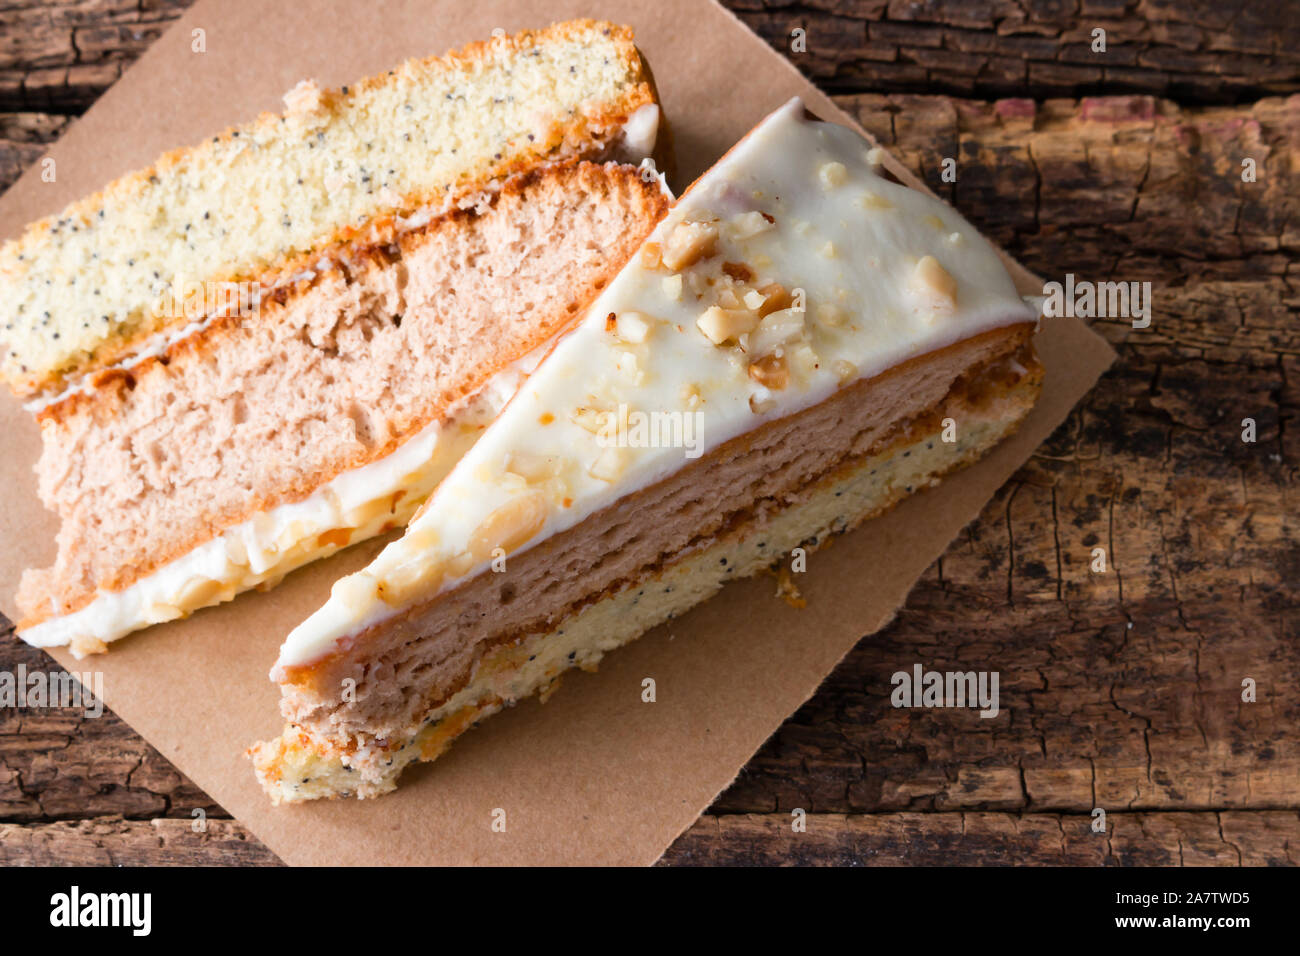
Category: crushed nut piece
<point>651,255</point>
<point>409,582</point>
<point>844,370</point>
<point>356,591</point>
<point>509,526</point>
<point>750,224</point>
<point>831,315</point>
<point>590,419</point>
<point>722,324</point>
<point>738,271</point>
<point>932,283</point>
<point>688,243</point>
<point>777,299</point>
<point>771,372</point>
<point>832,175</point>
<point>534,469</point>
<point>777,329</point>
<point>633,327</point>
<point>728,299</point>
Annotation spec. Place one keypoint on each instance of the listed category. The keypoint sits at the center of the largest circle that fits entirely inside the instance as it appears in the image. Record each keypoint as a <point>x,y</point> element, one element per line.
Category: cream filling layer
<point>363,502</point>
<point>789,270</point>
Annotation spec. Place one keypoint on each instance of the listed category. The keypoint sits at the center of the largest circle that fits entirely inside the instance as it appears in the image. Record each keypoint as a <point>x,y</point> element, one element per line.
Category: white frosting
<point>277,541</point>
<point>886,272</point>
<point>639,134</point>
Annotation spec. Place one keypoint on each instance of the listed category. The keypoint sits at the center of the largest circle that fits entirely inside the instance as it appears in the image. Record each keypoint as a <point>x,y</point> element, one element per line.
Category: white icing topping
<point>639,134</point>
<point>789,270</point>
<point>273,543</point>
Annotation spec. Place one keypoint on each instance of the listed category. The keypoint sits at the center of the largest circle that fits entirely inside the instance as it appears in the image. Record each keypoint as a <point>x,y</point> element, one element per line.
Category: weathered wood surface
<point>58,56</point>
<point>1119,690</point>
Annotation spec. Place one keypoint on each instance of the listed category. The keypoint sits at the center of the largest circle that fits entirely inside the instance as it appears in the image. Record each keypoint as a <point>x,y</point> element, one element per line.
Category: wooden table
<point>1124,688</point>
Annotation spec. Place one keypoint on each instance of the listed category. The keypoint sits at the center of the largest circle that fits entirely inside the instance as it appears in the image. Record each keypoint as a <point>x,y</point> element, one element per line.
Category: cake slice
<point>801,343</point>
<point>275,344</point>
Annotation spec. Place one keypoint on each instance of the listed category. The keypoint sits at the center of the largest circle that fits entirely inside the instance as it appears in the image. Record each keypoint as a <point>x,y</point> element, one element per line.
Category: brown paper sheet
<point>595,775</point>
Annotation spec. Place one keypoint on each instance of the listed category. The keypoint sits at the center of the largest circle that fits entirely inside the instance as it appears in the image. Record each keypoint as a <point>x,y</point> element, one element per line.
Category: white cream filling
<point>275,542</point>
<point>640,133</point>
<point>883,273</point>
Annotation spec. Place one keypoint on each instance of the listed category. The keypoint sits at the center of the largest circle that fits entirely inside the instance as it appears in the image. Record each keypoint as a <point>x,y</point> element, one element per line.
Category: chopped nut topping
<point>770,371</point>
<point>688,243</point>
<point>588,418</point>
<point>355,590</point>
<point>750,224</point>
<point>534,469</point>
<point>673,287</point>
<point>844,370</point>
<point>754,300</point>
<point>409,582</point>
<point>722,324</point>
<point>777,329</point>
<point>832,175</point>
<point>876,156</point>
<point>651,255</point>
<point>934,285</point>
<point>691,396</point>
<point>633,327</point>
<point>738,271</point>
<point>761,405</point>
<point>509,526</point>
<point>627,364</point>
<point>831,315</point>
<point>777,298</point>
<point>728,299</point>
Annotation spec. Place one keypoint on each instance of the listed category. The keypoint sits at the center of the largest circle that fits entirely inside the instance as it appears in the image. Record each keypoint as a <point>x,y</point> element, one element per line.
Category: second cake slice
<point>193,452</point>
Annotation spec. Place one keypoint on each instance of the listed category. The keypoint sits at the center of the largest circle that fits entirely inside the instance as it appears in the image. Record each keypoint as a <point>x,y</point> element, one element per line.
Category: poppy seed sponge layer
<point>99,282</point>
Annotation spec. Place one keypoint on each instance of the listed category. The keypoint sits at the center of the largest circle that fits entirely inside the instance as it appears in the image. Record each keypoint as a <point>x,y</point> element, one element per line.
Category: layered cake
<point>274,344</point>
<point>798,345</point>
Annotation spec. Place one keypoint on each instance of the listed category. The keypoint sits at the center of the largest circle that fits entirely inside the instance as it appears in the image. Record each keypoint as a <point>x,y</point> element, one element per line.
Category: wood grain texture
<point>1120,690</point>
